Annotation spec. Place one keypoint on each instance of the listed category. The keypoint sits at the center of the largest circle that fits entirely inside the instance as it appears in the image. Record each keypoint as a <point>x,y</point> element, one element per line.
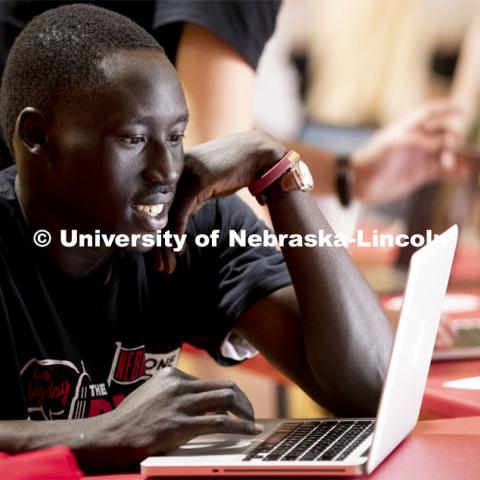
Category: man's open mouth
<point>151,210</point>
<point>151,216</point>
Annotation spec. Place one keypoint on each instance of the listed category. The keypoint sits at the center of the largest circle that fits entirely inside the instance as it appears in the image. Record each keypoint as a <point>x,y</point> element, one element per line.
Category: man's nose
<point>162,166</point>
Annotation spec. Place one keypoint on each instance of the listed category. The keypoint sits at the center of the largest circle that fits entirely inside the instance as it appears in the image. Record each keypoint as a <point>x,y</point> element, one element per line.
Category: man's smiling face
<point>115,160</point>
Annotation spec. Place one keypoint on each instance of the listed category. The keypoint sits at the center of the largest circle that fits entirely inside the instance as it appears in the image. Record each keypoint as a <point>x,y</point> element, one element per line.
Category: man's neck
<point>76,262</point>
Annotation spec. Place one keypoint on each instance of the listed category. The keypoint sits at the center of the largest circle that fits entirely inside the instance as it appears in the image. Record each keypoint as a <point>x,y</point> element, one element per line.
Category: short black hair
<point>58,53</point>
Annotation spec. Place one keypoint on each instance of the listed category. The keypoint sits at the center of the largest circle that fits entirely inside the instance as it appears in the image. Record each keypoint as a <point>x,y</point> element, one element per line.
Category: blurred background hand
<point>417,149</point>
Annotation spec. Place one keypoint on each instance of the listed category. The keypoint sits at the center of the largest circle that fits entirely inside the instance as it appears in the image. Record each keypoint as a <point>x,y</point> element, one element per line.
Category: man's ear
<point>31,132</point>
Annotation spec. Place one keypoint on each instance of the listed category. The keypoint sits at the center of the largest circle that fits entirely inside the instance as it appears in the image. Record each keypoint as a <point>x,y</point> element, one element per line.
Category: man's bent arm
<point>336,343</point>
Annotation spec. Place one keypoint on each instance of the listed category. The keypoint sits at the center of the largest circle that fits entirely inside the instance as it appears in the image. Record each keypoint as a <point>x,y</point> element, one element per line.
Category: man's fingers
<point>184,203</point>
<point>208,424</point>
<point>214,400</point>
<point>169,260</point>
<point>200,385</point>
<point>169,373</point>
<point>164,259</point>
<point>181,213</point>
<point>203,386</point>
<point>159,265</point>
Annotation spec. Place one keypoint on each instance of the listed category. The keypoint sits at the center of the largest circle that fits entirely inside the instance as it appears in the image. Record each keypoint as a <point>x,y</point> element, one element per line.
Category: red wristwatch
<point>288,174</point>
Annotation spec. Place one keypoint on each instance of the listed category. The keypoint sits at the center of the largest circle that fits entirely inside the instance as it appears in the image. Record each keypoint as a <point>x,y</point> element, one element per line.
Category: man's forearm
<point>347,335</point>
<point>93,450</point>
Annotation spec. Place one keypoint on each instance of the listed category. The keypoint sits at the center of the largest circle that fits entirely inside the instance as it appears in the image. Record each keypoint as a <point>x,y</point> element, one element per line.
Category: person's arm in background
<point>218,84</point>
<point>397,159</point>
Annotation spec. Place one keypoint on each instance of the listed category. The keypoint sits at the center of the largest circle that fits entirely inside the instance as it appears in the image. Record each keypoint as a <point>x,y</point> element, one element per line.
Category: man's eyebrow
<point>149,118</point>
<point>182,119</point>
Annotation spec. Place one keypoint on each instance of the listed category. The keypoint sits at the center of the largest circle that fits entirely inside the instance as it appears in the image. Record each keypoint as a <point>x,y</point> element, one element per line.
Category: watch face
<point>307,179</point>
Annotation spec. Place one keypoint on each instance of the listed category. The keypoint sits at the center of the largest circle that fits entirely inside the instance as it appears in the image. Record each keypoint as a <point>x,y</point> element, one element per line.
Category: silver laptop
<point>347,446</point>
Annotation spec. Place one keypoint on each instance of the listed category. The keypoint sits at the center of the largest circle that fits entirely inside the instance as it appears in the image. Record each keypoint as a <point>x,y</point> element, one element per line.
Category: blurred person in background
<point>219,77</point>
<point>372,65</point>
<point>354,73</point>
<point>216,47</point>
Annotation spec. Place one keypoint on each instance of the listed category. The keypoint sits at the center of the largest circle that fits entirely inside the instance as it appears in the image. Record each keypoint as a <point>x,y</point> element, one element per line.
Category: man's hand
<point>166,412</point>
<point>420,148</point>
<point>221,167</point>
<point>216,169</point>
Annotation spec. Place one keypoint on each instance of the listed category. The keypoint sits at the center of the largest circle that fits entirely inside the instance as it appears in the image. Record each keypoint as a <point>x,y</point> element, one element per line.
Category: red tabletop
<point>439,449</point>
<point>451,402</point>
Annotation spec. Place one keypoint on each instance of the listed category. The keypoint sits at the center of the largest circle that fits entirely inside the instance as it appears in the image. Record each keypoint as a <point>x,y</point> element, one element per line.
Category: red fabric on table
<point>56,463</point>
<point>117,476</point>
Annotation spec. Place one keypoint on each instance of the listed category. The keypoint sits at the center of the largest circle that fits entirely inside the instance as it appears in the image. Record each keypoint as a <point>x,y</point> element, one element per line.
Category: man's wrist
<point>290,173</point>
<point>266,152</point>
<point>262,184</point>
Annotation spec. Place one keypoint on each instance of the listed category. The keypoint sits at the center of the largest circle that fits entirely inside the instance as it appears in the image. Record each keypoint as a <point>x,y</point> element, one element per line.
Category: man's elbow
<point>355,394</point>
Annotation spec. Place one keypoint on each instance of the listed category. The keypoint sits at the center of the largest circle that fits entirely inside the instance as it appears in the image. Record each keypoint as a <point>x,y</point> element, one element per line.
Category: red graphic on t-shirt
<point>99,406</point>
<point>59,389</point>
<point>43,386</point>
<point>53,389</point>
<point>128,365</point>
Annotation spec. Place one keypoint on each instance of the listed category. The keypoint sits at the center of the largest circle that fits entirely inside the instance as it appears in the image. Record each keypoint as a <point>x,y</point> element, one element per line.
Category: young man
<point>94,115</point>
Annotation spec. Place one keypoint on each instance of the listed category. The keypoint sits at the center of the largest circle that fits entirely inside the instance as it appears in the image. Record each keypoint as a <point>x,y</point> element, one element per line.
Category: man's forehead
<point>140,83</point>
<point>138,65</point>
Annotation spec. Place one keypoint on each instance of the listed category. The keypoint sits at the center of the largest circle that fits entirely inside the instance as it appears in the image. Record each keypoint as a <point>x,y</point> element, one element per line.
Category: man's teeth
<point>152,210</point>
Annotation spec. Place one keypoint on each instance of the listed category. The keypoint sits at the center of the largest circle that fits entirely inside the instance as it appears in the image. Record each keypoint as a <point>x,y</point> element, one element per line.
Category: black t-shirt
<point>75,348</point>
<point>245,25</point>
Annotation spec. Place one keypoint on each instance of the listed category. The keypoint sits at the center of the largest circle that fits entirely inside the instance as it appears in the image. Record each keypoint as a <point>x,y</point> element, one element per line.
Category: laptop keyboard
<point>313,441</point>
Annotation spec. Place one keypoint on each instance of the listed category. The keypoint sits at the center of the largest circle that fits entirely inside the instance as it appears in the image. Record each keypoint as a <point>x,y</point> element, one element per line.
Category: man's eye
<point>176,137</point>
<point>134,140</point>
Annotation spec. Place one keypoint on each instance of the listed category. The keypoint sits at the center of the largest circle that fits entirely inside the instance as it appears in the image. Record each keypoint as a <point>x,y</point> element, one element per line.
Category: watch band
<point>259,185</point>
<point>344,180</point>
